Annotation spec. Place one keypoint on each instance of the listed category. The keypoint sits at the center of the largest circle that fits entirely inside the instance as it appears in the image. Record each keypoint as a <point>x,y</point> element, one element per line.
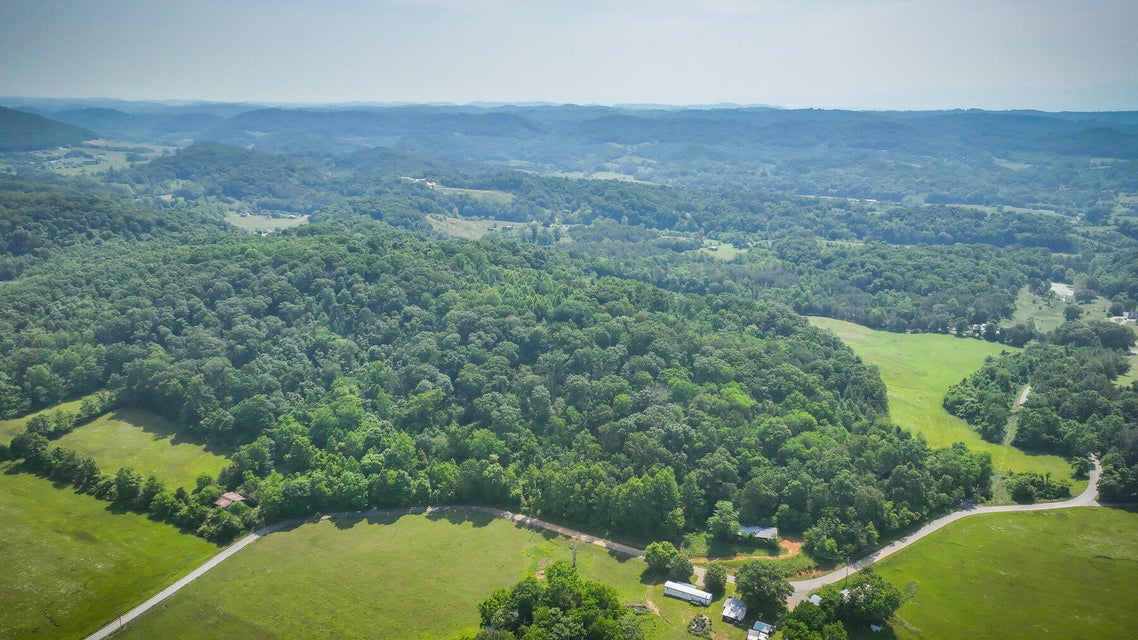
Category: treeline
<point>263,181</point>
<point>194,512</point>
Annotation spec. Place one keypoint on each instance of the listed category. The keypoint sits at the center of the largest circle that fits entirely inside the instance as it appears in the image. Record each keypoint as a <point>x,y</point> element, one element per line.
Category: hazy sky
<point>879,54</point>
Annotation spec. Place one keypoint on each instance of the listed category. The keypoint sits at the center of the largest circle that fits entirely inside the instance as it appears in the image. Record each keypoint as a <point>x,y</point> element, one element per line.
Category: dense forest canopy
<point>602,358</point>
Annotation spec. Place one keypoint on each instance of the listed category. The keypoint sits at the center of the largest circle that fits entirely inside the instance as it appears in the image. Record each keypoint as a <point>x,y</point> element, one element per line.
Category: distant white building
<point>688,592</point>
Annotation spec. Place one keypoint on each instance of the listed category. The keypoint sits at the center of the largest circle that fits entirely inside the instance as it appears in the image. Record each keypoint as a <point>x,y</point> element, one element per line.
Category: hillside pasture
<point>146,442</point>
<point>918,369</point>
<point>487,196</point>
<point>255,223</point>
<point>1067,573</point>
<point>71,566</point>
<point>1047,312</point>
<point>11,428</point>
<point>411,576</point>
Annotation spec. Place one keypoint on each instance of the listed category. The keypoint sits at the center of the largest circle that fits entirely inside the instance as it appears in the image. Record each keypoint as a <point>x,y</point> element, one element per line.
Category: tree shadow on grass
<point>462,516</point>
<point>161,429</point>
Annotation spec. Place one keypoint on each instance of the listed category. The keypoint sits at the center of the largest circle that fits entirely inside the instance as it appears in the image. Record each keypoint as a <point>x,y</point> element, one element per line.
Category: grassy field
<point>390,577</point>
<point>1132,375</point>
<point>472,229</point>
<point>90,158</point>
<point>1048,312</point>
<point>71,566</point>
<point>917,370</point>
<point>11,428</point>
<point>135,438</point>
<point>1068,573</point>
<point>488,196</point>
<point>257,223</point>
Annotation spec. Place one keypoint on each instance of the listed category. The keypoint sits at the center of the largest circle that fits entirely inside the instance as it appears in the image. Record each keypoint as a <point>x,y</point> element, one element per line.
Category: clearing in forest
<point>918,369</point>
<point>148,443</point>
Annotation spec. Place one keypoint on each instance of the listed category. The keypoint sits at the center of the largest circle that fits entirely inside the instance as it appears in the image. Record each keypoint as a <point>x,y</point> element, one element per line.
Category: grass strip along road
<point>802,588</point>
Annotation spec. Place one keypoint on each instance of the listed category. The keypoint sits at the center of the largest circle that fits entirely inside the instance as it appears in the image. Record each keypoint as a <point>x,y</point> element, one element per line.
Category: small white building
<point>734,610</point>
<point>688,592</point>
<point>761,631</point>
<point>762,533</point>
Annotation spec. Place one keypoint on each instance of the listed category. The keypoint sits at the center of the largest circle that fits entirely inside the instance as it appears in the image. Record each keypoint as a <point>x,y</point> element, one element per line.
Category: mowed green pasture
<point>11,428</point>
<point>918,369</point>
<point>71,566</point>
<point>1067,573</point>
<point>146,442</point>
<point>413,576</point>
<point>489,196</point>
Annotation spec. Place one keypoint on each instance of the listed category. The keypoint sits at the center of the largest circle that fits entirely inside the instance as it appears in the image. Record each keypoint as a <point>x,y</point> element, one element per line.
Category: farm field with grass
<point>918,368</point>
<point>1047,313</point>
<point>488,196</point>
<point>411,576</point>
<point>71,565</point>
<point>146,442</point>
<point>1067,573</point>
<point>11,428</point>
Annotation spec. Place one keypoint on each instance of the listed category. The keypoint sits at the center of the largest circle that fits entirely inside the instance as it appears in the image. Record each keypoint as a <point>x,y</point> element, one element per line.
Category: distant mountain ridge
<point>21,131</point>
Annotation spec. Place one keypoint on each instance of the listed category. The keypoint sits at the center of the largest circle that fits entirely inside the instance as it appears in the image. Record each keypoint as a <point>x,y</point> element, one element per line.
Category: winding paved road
<point>802,588</point>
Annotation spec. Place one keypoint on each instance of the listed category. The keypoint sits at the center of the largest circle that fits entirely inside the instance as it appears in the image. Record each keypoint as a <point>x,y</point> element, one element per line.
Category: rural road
<point>802,588</point>
<point>524,520</point>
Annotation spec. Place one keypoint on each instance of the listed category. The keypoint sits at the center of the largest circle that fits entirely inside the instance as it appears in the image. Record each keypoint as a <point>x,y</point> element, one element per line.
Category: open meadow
<point>1047,313</point>
<point>255,223</point>
<point>71,565</point>
<point>146,442</point>
<point>918,368</point>
<point>1068,573</point>
<point>15,426</point>
<point>412,576</point>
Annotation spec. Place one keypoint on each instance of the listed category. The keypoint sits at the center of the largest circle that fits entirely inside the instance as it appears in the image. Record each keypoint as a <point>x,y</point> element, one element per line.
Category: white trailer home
<point>689,592</point>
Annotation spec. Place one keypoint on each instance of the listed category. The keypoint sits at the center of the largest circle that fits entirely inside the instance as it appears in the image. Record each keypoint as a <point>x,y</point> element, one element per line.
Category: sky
<point>857,54</point>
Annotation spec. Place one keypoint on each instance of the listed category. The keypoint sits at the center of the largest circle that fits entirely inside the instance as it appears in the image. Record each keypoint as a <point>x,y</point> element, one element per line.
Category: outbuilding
<point>762,533</point>
<point>734,610</point>
<point>228,498</point>
<point>688,592</point>
<point>761,631</point>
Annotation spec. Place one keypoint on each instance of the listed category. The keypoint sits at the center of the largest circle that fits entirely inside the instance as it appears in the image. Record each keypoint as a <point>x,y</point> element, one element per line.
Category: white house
<point>688,592</point>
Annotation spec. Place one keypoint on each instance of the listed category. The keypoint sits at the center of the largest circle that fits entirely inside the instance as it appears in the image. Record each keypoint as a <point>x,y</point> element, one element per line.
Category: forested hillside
<point>624,356</point>
<point>20,131</point>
